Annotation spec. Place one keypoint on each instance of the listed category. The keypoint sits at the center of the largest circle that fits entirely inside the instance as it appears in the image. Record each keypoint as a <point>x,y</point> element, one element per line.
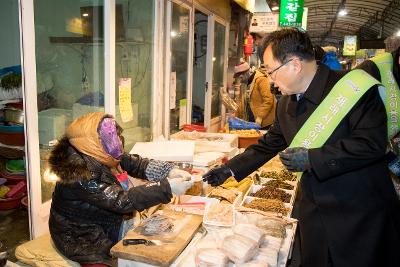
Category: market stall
<point>244,223</point>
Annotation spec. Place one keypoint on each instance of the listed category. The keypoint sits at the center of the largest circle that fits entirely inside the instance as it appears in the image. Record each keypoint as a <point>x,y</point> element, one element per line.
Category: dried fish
<point>222,193</point>
<point>155,225</point>
<point>272,227</point>
<point>273,193</point>
<point>272,205</point>
<point>219,214</point>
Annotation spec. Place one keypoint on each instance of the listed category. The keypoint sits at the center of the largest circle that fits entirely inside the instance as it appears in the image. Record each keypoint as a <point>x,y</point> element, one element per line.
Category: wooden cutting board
<point>165,254</point>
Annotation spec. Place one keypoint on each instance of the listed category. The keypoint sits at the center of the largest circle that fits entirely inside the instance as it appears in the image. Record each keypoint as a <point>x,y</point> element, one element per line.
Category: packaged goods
<point>222,193</point>
<point>239,249</point>
<point>241,186</point>
<point>272,205</point>
<point>156,225</point>
<point>272,227</point>
<point>251,231</point>
<point>219,214</point>
<point>211,257</point>
<point>246,133</point>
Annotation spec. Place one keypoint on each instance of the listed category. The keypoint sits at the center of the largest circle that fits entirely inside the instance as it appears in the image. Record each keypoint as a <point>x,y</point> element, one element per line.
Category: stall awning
<point>249,5</point>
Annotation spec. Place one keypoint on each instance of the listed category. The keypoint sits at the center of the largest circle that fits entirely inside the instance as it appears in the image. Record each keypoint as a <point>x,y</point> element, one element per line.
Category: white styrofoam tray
<point>165,150</point>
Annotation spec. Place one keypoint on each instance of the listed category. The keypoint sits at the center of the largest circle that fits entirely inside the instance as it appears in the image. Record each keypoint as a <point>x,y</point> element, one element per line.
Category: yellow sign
<point>350,45</point>
<point>125,99</point>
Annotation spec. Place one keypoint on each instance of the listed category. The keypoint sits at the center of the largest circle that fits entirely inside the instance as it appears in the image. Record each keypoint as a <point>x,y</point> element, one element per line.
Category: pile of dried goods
<point>272,205</point>
<point>278,184</point>
<point>272,193</point>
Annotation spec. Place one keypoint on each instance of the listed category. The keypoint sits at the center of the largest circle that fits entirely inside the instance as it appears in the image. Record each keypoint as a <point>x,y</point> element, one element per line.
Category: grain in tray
<point>271,205</point>
<point>278,184</point>
<point>273,193</point>
<point>283,175</point>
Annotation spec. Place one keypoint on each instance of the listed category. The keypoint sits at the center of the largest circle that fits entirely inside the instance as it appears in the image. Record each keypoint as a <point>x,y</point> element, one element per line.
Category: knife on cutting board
<point>141,241</point>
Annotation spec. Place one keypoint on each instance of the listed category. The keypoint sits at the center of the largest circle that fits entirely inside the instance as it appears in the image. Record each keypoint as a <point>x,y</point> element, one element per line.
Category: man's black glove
<point>217,176</point>
<point>295,159</point>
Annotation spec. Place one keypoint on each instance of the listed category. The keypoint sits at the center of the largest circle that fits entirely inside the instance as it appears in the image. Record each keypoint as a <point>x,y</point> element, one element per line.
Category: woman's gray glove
<point>217,176</point>
<point>180,181</point>
<point>295,159</point>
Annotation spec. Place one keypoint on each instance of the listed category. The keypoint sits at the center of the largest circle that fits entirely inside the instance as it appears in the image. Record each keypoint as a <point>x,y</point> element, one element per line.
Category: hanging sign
<point>182,112</point>
<point>125,99</point>
<point>349,45</point>
<point>172,91</point>
<point>291,13</point>
<point>183,24</point>
<point>264,22</point>
<point>305,17</point>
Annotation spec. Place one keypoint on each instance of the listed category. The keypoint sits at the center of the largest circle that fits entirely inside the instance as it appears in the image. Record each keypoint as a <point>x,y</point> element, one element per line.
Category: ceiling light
<point>398,33</point>
<point>85,15</point>
<point>275,8</point>
<point>173,33</point>
<point>342,12</point>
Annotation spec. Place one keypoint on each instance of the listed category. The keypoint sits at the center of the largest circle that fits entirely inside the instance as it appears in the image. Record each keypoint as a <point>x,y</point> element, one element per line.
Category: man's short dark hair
<point>286,43</point>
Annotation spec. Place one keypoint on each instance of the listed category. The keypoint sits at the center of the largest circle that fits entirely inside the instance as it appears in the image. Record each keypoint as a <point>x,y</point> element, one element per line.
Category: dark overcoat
<point>346,205</point>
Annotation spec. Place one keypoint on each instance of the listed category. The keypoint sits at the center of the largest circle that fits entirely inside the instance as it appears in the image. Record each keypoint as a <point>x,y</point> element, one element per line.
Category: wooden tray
<point>164,254</point>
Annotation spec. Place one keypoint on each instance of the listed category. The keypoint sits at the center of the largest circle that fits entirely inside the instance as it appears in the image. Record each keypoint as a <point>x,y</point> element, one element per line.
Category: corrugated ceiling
<point>368,19</point>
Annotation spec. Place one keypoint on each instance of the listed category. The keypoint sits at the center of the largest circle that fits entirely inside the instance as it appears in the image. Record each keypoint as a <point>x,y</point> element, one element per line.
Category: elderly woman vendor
<point>89,202</point>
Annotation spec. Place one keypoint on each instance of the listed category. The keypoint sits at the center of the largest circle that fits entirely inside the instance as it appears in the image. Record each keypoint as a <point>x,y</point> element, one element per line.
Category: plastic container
<point>12,138</point>
<point>194,127</point>
<point>11,203</point>
<point>52,124</point>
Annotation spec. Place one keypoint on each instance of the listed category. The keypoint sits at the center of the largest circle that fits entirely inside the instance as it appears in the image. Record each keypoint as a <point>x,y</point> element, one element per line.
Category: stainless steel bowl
<point>14,115</point>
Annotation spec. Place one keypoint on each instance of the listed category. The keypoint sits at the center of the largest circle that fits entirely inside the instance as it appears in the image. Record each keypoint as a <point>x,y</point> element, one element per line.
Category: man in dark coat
<point>347,208</point>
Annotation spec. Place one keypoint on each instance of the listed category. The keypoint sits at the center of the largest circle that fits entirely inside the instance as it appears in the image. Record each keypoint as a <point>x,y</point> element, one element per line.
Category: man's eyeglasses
<point>269,73</point>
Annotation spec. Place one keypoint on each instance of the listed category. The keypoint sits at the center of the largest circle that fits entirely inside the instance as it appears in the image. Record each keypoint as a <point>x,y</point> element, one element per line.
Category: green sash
<point>390,94</point>
<point>327,116</point>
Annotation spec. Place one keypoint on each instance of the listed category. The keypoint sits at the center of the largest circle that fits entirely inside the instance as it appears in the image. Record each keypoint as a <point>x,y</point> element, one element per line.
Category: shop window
<point>134,69</point>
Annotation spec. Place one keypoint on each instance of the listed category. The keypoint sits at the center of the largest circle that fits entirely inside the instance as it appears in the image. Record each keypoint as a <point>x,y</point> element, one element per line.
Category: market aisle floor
<point>14,230</point>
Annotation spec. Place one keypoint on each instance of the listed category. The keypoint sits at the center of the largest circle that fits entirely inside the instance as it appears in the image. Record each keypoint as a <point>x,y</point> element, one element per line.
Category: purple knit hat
<point>109,137</point>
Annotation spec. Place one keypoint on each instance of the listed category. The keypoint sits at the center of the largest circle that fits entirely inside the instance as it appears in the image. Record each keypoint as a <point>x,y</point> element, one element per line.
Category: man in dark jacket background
<point>346,205</point>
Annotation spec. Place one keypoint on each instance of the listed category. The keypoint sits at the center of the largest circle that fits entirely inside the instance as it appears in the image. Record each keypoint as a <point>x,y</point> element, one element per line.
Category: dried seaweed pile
<point>272,205</point>
<point>278,184</point>
<point>283,175</point>
<point>273,193</point>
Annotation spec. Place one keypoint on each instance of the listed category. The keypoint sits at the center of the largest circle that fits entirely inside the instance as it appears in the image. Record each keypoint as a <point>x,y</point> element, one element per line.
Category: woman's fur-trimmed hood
<point>67,163</point>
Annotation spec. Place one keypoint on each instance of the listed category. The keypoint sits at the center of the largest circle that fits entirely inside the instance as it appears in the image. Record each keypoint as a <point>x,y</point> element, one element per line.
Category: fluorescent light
<point>274,8</point>
<point>342,12</point>
<point>398,33</point>
<point>173,33</point>
<point>85,14</point>
<point>214,58</point>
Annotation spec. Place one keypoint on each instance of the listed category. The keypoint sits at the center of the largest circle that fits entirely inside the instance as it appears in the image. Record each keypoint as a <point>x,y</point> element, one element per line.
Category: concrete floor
<point>14,230</point>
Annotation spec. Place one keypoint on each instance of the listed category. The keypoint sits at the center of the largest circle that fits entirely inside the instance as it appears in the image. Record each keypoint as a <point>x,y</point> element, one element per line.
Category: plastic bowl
<point>11,203</point>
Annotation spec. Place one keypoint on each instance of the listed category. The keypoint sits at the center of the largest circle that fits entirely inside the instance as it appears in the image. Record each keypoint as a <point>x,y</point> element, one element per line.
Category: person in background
<point>346,205</point>
<point>261,100</point>
<point>330,58</point>
<point>319,53</point>
<point>88,201</point>
<point>391,80</point>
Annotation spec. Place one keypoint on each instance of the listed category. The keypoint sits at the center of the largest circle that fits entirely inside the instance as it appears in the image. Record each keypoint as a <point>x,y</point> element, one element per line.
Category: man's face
<point>283,75</point>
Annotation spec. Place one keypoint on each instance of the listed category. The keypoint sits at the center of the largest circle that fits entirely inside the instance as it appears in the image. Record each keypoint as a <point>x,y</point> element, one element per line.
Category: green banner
<point>291,13</point>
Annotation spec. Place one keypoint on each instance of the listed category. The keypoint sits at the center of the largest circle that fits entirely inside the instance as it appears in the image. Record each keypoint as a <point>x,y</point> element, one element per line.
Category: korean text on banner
<point>291,13</point>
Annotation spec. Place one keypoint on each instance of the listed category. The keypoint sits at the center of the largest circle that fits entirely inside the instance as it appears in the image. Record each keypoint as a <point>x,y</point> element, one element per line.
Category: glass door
<point>218,66</point>
<point>63,57</point>
<point>178,75</point>
<point>200,77</point>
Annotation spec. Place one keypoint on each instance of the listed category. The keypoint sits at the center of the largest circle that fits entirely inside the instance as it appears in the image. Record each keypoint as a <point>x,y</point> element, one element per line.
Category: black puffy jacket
<point>88,202</point>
